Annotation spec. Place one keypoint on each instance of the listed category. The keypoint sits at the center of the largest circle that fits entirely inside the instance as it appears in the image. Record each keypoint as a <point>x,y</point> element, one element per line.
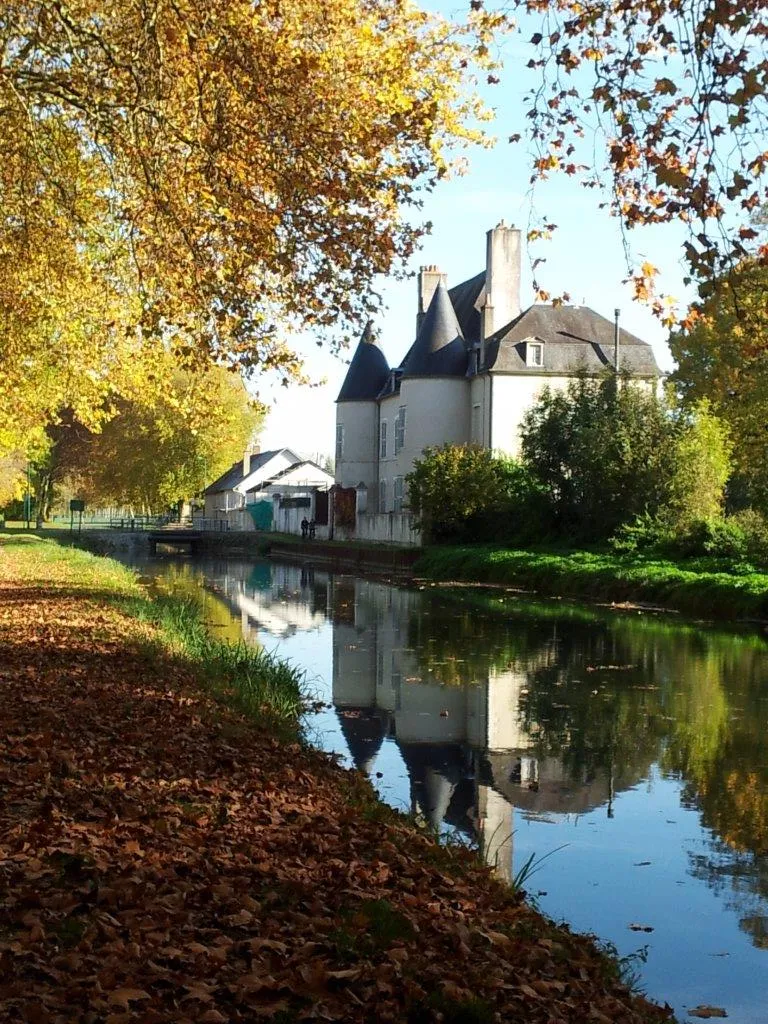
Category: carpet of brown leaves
<point>162,860</point>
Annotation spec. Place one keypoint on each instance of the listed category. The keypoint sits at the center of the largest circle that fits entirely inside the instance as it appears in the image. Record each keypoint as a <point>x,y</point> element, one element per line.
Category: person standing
<point>304,528</point>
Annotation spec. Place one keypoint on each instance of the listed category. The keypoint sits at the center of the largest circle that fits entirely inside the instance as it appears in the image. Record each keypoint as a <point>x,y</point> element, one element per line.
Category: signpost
<point>76,505</point>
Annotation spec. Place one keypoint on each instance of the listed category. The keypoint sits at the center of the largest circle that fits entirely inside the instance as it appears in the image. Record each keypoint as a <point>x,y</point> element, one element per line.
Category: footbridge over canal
<point>178,536</point>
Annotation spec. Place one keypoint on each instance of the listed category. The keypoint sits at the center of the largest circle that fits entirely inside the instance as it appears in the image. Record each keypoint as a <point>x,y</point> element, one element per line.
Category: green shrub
<point>644,533</point>
<point>722,538</point>
<point>717,538</point>
<point>610,453</point>
<point>466,494</point>
<point>755,529</point>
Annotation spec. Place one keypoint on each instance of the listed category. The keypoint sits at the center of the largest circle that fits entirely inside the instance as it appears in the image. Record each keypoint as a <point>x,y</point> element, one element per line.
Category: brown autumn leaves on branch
<point>672,92</point>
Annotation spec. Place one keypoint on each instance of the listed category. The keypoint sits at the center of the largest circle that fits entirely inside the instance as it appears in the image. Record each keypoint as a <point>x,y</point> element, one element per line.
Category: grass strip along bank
<point>698,587</point>
<point>164,857</point>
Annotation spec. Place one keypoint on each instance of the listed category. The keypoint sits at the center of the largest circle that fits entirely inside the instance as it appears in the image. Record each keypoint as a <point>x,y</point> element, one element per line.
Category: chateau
<point>477,364</point>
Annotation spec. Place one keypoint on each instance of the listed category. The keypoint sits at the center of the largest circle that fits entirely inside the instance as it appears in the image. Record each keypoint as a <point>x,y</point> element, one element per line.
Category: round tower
<point>357,415</point>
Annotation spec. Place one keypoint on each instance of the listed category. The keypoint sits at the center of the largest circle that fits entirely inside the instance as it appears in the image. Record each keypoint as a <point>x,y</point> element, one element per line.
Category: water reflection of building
<point>278,600</point>
<point>469,758</point>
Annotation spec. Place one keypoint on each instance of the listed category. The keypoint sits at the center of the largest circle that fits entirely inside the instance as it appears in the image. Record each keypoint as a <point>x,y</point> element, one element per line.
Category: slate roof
<point>439,349</point>
<point>575,337</point>
<point>234,476</point>
<point>464,296</point>
<point>368,371</point>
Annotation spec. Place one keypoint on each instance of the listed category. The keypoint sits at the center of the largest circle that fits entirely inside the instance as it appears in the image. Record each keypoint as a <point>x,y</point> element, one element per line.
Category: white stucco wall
<point>387,467</point>
<point>512,396</point>
<point>387,528</point>
<point>358,461</point>
<point>436,412</point>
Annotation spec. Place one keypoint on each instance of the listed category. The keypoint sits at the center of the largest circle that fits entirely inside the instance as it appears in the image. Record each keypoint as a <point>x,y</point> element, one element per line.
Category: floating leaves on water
<point>610,668</point>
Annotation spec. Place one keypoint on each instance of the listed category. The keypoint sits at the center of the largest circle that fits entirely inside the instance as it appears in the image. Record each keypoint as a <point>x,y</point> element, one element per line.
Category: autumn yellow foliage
<point>193,178</point>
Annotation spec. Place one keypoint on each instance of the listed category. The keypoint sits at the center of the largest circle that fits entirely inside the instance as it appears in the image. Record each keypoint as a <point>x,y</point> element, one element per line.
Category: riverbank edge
<point>111,584</point>
<point>632,581</point>
<point>603,577</point>
<point>635,581</point>
<point>247,679</point>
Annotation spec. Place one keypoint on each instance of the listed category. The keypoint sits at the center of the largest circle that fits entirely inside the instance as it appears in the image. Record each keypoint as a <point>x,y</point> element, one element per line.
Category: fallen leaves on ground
<point>163,860</point>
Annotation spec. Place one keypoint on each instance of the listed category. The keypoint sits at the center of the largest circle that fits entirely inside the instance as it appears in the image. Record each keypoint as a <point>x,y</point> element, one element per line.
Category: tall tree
<point>608,451</point>
<point>201,174</point>
<point>723,357</point>
<point>152,454</point>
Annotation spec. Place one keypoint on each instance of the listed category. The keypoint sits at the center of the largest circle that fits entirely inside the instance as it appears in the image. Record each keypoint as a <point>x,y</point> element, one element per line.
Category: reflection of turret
<point>354,667</point>
<point>495,827</point>
<point>363,730</point>
<point>438,773</point>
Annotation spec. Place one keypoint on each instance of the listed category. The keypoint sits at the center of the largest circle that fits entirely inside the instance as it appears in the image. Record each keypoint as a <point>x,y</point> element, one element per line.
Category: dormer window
<point>534,353</point>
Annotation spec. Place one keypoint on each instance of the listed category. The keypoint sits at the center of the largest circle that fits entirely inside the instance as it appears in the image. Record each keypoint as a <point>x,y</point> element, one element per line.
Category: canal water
<point>624,755</point>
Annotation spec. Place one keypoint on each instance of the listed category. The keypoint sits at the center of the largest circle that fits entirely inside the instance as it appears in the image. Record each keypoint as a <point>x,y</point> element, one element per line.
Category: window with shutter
<point>399,494</point>
<point>400,429</point>
<point>339,441</point>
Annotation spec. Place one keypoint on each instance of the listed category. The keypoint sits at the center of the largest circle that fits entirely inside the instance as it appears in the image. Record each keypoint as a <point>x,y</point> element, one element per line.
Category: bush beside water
<point>703,587</point>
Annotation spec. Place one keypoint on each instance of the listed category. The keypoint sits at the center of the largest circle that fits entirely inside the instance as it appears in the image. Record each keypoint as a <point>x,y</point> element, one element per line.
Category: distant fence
<point>137,522</point>
<point>124,523</point>
<point>211,525</point>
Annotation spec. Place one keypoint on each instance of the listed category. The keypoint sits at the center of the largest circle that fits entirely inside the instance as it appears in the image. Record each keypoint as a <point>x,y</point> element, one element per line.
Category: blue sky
<point>584,258</point>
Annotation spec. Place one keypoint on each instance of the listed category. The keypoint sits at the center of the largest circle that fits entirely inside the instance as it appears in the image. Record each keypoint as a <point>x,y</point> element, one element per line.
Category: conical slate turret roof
<point>367,373</point>
<point>439,349</point>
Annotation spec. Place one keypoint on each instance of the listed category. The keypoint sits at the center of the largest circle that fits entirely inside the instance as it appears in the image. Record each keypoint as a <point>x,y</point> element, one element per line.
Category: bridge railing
<point>138,522</point>
<point>125,523</point>
<point>211,525</point>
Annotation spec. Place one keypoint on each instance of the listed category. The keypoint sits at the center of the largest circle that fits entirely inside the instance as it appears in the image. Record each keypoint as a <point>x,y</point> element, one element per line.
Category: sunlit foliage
<point>151,455</point>
<point>723,358</point>
<point>200,176</point>
<point>660,105</point>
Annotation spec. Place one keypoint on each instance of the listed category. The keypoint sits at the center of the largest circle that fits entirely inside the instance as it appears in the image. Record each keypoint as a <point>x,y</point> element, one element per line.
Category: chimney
<point>502,279</point>
<point>253,448</point>
<point>428,280</point>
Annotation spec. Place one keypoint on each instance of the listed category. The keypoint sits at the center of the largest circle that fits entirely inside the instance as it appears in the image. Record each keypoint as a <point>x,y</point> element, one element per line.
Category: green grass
<point>247,678</point>
<point>699,587</point>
